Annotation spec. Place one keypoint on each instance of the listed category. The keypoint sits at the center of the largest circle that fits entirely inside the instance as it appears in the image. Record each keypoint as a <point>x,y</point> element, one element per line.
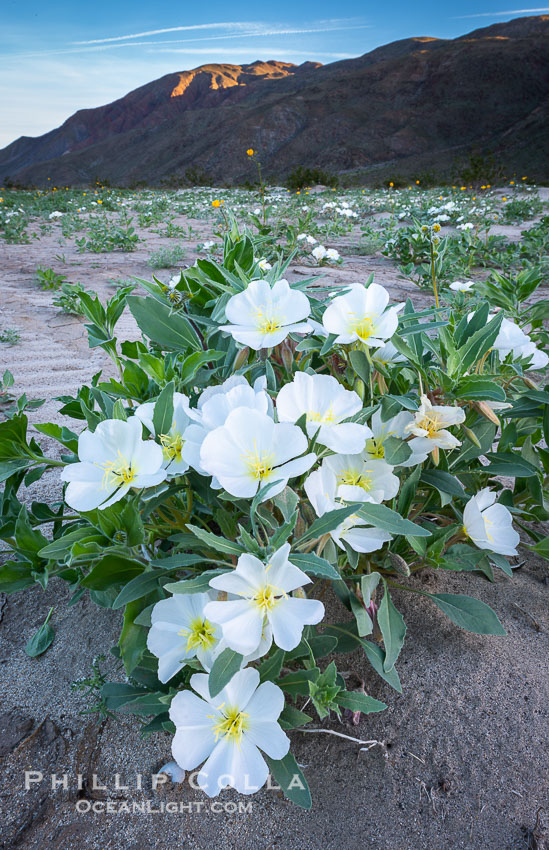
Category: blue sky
<point>58,57</point>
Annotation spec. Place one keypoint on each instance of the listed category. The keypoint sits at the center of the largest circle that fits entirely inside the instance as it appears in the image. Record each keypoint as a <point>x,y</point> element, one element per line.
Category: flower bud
<point>487,412</point>
<point>287,357</point>
<point>399,564</point>
<point>472,436</point>
<point>241,358</point>
<point>359,388</point>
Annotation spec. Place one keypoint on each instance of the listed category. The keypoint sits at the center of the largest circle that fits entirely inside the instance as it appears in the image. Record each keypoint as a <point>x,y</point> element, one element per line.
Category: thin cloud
<point>502,14</point>
<point>252,34</point>
<point>245,51</point>
<point>212,26</point>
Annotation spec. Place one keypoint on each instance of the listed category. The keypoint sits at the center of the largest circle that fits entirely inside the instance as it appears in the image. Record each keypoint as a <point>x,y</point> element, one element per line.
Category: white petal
<point>269,737</point>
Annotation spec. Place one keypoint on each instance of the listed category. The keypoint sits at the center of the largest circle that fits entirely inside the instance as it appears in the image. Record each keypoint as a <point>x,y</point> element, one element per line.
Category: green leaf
<point>479,387</point>
<point>380,516</point>
<point>286,501</point>
<point>509,464</point>
<point>476,346</point>
<point>57,549</point>
<point>358,701</point>
<point>396,451</point>
<point>347,641</point>
<point>133,638</point>
<point>542,548</point>
<point>64,436</point>
<point>468,613</point>
<point>271,667</point>
<point>291,780</point>
<point>281,535</point>
<point>28,539</point>
<point>228,547</point>
<point>297,683</point>
<point>443,481</point>
<point>313,565</point>
<point>198,584</point>
<point>360,364</point>
<point>293,718</point>
<point>157,321</point>
<point>181,559</point>
<point>41,639</point>
<point>15,575</point>
<point>393,629</point>
<point>327,522</point>
<point>368,585</point>
<point>193,362</point>
<point>111,570</point>
<point>138,587</point>
<point>224,667</point>
<point>462,557</point>
<point>117,694</point>
<point>376,657</point>
<point>118,411</point>
<point>364,623</point>
<point>408,491</point>
<point>259,497</point>
<point>163,411</point>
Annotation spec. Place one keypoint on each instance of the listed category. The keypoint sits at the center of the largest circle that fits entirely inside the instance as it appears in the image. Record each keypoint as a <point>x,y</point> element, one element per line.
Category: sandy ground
<point>465,766</point>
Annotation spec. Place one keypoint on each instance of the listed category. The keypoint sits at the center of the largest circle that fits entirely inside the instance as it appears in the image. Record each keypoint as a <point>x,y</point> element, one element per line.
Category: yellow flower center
<point>260,464</point>
<point>172,445</point>
<point>322,418</point>
<point>268,597</point>
<point>363,328</point>
<point>375,448</point>
<point>266,324</point>
<point>117,472</point>
<point>200,634</point>
<point>354,478</point>
<point>431,423</point>
<point>232,724</point>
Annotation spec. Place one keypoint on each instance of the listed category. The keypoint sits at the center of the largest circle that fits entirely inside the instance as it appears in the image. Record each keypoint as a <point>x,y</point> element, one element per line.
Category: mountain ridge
<point>421,96</point>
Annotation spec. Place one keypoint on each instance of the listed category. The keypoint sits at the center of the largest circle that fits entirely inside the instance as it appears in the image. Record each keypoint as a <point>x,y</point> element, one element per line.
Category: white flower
<point>430,424</point>
<point>208,244</point>
<point>227,730</point>
<point>326,404</point>
<point>462,285</point>
<point>176,461</point>
<point>214,405</point>
<point>332,254</point>
<point>112,460</point>
<point>539,359</point>
<point>262,316</point>
<point>264,265</point>
<point>173,281</point>
<point>489,525</point>
<point>181,630</point>
<point>361,478</point>
<point>55,214</point>
<point>321,488</point>
<point>309,239</point>
<point>467,226</point>
<point>319,253</point>
<point>264,599</point>
<point>361,314</point>
<point>393,427</point>
<point>512,339</point>
<point>387,354</point>
<point>250,450</point>
<point>346,212</point>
